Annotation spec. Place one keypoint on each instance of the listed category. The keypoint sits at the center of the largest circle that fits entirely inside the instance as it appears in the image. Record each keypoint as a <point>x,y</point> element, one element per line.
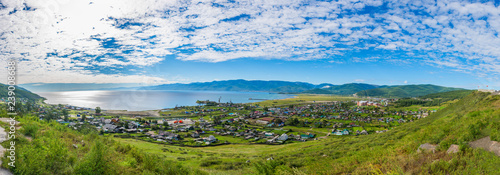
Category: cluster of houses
<point>368,103</point>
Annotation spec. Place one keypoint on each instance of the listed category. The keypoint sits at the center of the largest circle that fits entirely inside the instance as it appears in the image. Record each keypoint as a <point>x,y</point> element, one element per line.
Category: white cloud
<point>71,37</point>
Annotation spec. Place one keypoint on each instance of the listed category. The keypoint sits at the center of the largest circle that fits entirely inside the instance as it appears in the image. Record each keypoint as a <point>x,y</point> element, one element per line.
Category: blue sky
<point>449,43</point>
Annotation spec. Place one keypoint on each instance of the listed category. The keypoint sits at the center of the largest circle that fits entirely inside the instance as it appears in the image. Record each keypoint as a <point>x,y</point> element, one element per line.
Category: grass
<point>305,98</point>
<point>391,152</point>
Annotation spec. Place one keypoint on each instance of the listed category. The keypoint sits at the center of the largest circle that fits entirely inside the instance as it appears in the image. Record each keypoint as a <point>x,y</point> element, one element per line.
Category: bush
<point>30,129</point>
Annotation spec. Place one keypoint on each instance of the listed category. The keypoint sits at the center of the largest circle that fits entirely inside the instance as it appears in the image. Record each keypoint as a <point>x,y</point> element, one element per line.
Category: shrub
<point>30,129</point>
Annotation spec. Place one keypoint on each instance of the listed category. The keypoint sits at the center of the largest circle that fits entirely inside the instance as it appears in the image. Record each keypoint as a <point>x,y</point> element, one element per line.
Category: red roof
<point>180,121</point>
<point>267,119</point>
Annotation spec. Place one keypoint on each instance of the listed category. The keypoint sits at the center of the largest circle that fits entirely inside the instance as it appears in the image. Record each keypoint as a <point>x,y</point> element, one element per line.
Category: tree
<point>266,108</point>
<point>65,114</point>
<point>278,121</point>
<point>84,117</point>
<point>98,110</point>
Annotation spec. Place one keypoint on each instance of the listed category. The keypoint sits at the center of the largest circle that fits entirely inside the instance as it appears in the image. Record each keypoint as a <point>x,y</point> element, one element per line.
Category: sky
<point>448,43</point>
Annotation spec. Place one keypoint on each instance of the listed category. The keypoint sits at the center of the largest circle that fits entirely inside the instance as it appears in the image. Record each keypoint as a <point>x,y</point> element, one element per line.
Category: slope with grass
<point>473,117</point>
<point>19,93</point>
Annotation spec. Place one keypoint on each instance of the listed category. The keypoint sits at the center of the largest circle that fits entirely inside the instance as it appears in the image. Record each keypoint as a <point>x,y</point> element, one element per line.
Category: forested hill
<point>241,85</point>
<point>345,89</point>
<point>19,93</point>
<point>359,89</point>
<point>405,91</point>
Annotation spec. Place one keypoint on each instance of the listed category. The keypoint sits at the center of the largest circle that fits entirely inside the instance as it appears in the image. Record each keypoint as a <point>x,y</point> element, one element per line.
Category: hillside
<point>345,89</point>
<point>405,91</point>
<point>394,152</point>
<point>474,117</point>
<point>240,85</point>
<point>20,93</point>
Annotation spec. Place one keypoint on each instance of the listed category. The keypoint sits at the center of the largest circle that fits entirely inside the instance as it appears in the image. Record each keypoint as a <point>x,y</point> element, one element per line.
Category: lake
<point>137,100</point>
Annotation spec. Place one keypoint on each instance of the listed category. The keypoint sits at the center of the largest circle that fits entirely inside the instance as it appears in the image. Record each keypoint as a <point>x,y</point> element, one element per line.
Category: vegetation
<point>435,99</point>
<point>405,91</point>
<point>56,149</point>
<point>345,89</point>
<point>20,93</point>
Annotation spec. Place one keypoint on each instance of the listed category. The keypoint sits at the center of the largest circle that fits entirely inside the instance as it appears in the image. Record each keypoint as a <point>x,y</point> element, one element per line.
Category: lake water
<point>137,100</point>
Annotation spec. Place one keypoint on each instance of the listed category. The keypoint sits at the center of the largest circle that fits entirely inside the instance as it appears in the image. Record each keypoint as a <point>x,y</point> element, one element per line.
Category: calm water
<point>150,99</point>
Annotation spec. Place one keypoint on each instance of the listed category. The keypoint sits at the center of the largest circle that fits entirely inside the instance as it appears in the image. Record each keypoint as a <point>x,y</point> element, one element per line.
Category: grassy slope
<point>471,118</point>
<point>394,151</point>
<point>20,93</point>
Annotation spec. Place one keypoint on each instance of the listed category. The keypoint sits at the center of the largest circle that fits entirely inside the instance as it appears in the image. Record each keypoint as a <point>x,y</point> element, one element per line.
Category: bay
<point>138,100</point>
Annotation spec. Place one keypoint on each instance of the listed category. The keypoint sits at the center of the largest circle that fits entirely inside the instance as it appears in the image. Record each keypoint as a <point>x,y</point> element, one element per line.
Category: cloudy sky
<point>450,43</point>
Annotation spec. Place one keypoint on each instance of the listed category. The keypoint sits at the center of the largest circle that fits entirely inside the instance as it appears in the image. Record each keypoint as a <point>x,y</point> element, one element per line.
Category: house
<point>364,132</point>
<point>306,136</point>
<point>283,137</point>
<point>108,127</point>
<point>210,139</point>
<point>195,135</point>
<point>345,132</point>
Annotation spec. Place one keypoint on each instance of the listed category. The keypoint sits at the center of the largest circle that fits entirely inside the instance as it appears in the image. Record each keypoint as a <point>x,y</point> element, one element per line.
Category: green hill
<point>405,91</point>
<point>345,89</point>
<point>395,152</point>
<point>240,85</point>
<point>19,92</point>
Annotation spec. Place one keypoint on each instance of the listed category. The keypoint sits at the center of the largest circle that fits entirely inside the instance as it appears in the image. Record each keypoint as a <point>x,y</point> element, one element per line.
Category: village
<point>231,123</point>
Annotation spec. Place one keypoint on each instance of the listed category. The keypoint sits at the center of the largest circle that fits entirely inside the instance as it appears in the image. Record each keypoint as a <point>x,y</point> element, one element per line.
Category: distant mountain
<point>405,91</point>
<point>58,87</point>
<point>19,93</point>
<point>345,89</point>
<point>241,85</point>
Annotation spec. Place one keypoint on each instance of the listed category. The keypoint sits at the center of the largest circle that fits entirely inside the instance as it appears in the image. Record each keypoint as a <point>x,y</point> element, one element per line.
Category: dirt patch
<point>151,113</point>
<point>487,144</point>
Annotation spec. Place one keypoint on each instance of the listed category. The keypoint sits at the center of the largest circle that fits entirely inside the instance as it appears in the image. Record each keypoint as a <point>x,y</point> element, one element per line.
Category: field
<point>305,98</point>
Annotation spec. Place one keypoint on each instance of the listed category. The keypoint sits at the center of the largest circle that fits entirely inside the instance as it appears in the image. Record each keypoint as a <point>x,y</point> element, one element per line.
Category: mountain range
<point>359,89</point>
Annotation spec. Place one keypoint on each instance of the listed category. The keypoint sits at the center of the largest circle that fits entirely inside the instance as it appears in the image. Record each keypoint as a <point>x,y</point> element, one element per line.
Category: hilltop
<point>19,93</point>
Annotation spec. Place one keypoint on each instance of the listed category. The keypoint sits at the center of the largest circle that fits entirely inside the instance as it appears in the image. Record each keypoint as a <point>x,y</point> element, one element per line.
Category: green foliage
<point>30,129</point>
<point>98,110</point>
<point>19,92</point>
<point>405,91</point>
<point>267,167</point>
<point>95,162</point>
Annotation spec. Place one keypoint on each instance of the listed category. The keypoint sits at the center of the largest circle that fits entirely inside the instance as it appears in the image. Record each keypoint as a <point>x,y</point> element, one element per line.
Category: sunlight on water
<point>148,100</point>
